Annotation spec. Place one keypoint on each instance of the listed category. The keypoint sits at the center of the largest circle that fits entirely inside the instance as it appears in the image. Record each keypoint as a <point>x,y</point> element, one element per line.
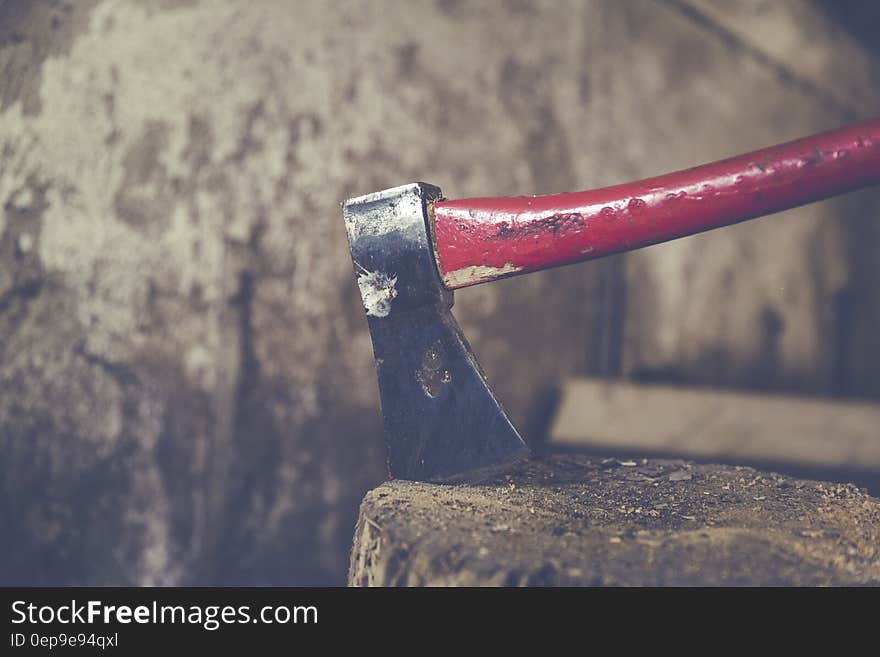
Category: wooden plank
<point>718,424</point>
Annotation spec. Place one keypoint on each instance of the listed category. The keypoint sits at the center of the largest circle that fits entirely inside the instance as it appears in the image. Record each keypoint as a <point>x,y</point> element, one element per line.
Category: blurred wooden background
<point>186,385</point>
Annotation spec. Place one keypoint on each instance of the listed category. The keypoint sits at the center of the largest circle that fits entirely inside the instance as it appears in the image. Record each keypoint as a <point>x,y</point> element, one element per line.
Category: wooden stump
<point>574,520</point>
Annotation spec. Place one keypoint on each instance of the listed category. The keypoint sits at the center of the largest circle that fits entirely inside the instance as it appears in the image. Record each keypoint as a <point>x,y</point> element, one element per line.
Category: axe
<point>411,248</point>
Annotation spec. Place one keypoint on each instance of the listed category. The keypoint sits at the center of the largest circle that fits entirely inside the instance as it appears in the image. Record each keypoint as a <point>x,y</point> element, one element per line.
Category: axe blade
<point>442,422</point>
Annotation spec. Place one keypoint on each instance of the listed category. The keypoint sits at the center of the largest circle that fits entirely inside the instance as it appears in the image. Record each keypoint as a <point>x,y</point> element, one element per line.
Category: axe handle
<point>482,239</point>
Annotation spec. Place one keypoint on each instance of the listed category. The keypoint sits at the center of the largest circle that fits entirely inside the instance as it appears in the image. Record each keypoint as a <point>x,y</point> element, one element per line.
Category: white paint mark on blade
<point>377,290</point>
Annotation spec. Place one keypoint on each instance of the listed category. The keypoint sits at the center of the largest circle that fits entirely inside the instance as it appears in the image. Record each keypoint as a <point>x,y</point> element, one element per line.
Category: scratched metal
<point>441,419</point>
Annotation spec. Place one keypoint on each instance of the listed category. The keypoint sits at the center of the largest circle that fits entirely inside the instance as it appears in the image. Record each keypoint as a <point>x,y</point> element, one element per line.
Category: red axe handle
<point>482,239</point>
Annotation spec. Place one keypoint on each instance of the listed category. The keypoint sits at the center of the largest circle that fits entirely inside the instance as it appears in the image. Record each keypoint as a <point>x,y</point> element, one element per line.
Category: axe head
<point>442,421</point>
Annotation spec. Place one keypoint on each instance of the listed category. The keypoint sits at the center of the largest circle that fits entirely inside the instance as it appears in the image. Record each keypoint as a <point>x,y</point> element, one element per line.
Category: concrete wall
<point>186,384</point>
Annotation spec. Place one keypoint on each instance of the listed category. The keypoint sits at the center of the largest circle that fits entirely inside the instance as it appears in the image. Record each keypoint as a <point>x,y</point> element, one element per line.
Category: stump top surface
<point>574,520</point>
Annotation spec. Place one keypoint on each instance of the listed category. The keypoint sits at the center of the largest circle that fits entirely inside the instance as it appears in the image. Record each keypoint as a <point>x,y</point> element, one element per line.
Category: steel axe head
<point>442,421</point>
